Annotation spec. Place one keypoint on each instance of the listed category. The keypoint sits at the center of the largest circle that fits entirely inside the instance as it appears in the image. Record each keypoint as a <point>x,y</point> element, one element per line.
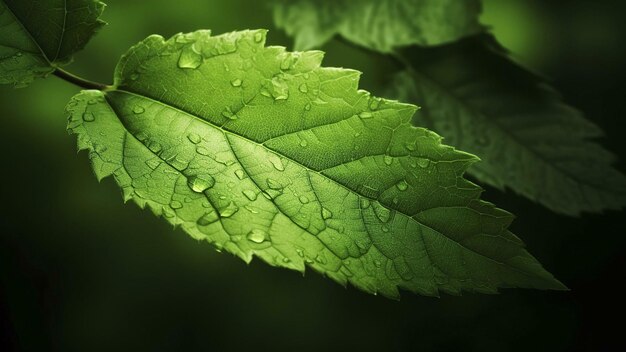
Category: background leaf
<point>263,152</point>
<point>37,36</point>
<point>380,25</point>
<point>529,140</point>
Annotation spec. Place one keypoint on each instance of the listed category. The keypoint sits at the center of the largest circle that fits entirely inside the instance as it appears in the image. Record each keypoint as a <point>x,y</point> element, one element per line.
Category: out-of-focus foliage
<point>529,140</point>
<point>474,95</point>
<point>380,25</point>
<point>37,36</point>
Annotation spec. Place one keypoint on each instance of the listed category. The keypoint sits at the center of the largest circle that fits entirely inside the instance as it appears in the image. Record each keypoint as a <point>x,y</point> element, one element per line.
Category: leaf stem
<point>78,81</point>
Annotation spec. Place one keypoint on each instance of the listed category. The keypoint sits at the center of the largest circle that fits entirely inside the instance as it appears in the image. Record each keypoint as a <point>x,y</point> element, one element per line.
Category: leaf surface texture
<point>263,152</point>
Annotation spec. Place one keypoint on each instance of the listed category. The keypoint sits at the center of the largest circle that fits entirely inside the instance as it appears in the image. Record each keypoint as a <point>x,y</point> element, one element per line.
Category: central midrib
<point>227,132</point>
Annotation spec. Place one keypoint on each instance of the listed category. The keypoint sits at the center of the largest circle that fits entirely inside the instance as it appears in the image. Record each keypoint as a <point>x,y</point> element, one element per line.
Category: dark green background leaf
<point>380,25</point>
<point>528,139</point>
<point>38,35</point>
<point>482,102</point>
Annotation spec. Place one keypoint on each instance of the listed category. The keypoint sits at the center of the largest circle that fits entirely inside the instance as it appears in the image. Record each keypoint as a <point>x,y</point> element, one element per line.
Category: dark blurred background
<point>81,271</point>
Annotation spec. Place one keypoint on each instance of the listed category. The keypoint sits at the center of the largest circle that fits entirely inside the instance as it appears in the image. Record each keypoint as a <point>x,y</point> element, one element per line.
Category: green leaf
<point>476,97</point>
<point>380,25</point>
<point>38,36</point>
<point>529,140</point>
<point>263,152</point>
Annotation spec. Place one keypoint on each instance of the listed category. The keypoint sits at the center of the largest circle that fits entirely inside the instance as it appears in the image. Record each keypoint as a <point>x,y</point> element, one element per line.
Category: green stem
<point>81,82</point>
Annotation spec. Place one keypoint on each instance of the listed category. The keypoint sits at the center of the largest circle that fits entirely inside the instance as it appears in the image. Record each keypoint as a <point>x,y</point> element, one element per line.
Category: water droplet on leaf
<point>88,117</point>
<point>181,39</point>
<point>273,184</point>
<point>423,162</point>
<point>374,103</point>
<point>251,195</point>
<point>153,163</point>
<point>141,136</point>
<point>383,214</point>
<point>251,209</point>
<point>366,115</point>
<point>194,138</point>
<point>272,193</point>
<point>168,213</point>
<point>240,174</point>
<point>287,62</point>
<point>202,151</point>
<point>363,244</point>
<point>208,219</point>
<point>201,183</point>
<point>189,59</point>
<point>229,210</point>
<point>228,113</point>
<point>279,89</point>
<point>99,148</point>
<point>257,236</point>
<point>155,147</point>
<point>258,37</point>
<point>179,163</point>
<point>226,45</point>
<point>276,162</point>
